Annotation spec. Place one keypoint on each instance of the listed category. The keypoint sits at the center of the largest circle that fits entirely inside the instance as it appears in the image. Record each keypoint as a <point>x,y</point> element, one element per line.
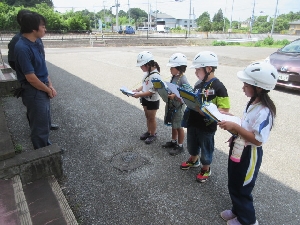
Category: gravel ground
<point>97,123</point>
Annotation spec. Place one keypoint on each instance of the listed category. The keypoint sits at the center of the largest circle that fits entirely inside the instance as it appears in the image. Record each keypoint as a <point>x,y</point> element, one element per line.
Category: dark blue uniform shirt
<point>30,58</point>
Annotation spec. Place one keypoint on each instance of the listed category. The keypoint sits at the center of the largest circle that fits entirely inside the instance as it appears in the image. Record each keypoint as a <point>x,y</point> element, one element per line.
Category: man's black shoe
<point>54,127</point>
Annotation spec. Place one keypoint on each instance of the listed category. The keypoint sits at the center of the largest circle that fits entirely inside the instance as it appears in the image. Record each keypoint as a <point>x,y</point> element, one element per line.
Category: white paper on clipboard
<point>174,89</point>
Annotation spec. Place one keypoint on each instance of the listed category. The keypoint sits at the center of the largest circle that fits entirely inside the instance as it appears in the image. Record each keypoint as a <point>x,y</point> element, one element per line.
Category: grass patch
<point>18,148</point>
<point>267,42</point>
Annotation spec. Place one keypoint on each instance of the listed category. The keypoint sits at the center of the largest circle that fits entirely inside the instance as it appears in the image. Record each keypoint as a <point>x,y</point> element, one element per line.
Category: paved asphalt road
<point>97,122</point>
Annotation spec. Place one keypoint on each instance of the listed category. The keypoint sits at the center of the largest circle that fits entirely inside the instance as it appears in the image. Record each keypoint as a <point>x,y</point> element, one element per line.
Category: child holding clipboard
<point>245,154</point>
<point>201,129</point>
<point>148,95</point>
<point>174,108</point>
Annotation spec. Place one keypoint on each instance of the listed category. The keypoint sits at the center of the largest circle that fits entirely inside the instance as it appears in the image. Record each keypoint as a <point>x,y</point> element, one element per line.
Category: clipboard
<point>127,92</point>
<point>191,99</point>
<point>161,88</point>
<point>212,112</point>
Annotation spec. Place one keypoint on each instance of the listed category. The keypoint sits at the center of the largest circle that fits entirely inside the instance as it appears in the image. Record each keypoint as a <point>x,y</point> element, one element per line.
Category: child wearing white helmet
<point>147,93</point>
<point>245,154</point>
<point>201,129</point>
<point>175,108</point>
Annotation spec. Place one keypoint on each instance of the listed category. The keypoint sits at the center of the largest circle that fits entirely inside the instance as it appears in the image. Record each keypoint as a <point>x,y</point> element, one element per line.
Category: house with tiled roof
<point>294,27</point>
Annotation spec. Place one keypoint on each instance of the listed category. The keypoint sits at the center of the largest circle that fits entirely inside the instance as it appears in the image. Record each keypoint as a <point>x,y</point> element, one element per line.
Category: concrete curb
<point>21,203</point>
<point>6,146</point>
<point>64,206</point>
<point>33,165</point>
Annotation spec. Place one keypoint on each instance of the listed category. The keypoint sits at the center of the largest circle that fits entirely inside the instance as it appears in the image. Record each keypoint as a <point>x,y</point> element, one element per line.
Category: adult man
<point>11,48</point>
<point>15,39</point>
<point>32,73</point>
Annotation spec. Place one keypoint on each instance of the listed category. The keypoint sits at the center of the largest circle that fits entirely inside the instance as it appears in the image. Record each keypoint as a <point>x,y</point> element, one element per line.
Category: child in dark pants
<point>245,155</point>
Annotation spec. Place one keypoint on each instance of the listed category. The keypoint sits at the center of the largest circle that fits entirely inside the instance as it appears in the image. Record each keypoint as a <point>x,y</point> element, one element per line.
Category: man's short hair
<point>21,13</point>
<point>31,22</point>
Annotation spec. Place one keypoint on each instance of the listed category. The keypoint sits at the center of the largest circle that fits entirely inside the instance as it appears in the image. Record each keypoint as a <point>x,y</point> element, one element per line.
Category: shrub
<point>258,44</point>
<point>282,42</point>
<point>268,41</point>
<point>219,43</point>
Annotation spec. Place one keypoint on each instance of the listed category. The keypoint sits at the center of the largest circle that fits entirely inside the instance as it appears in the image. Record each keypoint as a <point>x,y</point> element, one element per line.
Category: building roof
<point>162,16</point>
<point>297,22</point>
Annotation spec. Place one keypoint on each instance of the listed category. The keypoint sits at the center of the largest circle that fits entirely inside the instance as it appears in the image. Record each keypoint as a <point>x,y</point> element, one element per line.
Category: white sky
<point>242,9</point>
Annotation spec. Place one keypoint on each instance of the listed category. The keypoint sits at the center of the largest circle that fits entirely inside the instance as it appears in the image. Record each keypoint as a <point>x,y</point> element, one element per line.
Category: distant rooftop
<point>297,22</point>
<point>162,16</point>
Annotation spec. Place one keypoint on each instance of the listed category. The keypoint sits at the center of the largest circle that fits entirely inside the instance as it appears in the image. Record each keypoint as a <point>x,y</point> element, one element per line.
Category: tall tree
<point>122,13</point>
<point>204,22</point>
<point>136,13</point>
<point>218,21</point>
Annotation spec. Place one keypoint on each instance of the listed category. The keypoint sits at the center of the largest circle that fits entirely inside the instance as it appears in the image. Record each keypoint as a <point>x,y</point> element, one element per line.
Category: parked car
<point>147,29</point>
<point>127,30</point>
<point>287,62</point>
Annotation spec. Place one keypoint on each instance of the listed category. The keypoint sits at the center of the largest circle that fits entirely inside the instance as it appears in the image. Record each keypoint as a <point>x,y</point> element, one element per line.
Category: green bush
<point>233,43</point>
<point>219,43</point>
<point>282,42</point>
<point>268,41</point>
<point>258,44</point>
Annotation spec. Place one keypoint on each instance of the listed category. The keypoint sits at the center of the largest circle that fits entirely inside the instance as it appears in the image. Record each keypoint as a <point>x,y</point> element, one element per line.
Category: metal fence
<point>6,36</point>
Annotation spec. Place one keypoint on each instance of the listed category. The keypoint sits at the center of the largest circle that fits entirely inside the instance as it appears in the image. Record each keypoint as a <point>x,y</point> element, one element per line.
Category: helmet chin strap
<point>206,75</point>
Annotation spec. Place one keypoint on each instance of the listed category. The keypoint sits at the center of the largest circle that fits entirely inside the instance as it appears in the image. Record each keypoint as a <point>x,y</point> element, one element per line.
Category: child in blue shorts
<point>200,129</point>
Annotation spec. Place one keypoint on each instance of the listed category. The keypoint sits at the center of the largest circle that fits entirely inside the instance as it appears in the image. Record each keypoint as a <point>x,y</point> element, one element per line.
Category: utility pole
<point>156,15</point>
<point>148,16</point>
<point>189,23</point>
<point>117,14</point>
<point>224,27</point>
<point>274,19</point>
<point>129,12</point>
<point>104,21</point>
<point>252,17</point>
<point>231,18</point>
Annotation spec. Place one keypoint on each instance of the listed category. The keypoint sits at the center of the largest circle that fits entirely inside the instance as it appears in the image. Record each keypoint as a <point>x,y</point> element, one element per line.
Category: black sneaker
<point>54,127</point>
<point>177,150</point>
<point>144,136</point>
<point>170,144</point>
<point>150,139</point>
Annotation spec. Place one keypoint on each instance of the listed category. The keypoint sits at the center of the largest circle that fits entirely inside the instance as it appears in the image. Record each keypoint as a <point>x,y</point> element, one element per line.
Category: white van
<point>145,29</point>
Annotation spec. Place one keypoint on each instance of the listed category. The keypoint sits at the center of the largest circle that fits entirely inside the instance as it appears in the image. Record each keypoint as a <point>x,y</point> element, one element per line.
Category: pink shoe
<point>235,221</point>
<point>227,215</point>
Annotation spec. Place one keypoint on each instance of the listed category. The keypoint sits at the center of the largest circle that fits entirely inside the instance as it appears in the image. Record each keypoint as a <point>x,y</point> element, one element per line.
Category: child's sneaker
<point>203,175</point>
<point>188,164</point>
<point>235,221</point>
<point>227,215</point>
<point>150,139</point>
<point>177,150</point>
<point>170,144</point>
<point>144,136</point>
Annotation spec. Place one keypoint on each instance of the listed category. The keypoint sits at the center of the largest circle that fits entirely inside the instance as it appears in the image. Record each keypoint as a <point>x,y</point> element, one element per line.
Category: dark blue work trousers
<point>241,181</point>
<point>38,114</point>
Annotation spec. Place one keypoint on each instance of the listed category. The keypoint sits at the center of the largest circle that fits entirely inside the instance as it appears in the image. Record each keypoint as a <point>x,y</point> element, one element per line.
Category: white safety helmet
<point>259,74</point>
<point>143,58</point>
<point>204,59</point>
<point>177,59</point>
